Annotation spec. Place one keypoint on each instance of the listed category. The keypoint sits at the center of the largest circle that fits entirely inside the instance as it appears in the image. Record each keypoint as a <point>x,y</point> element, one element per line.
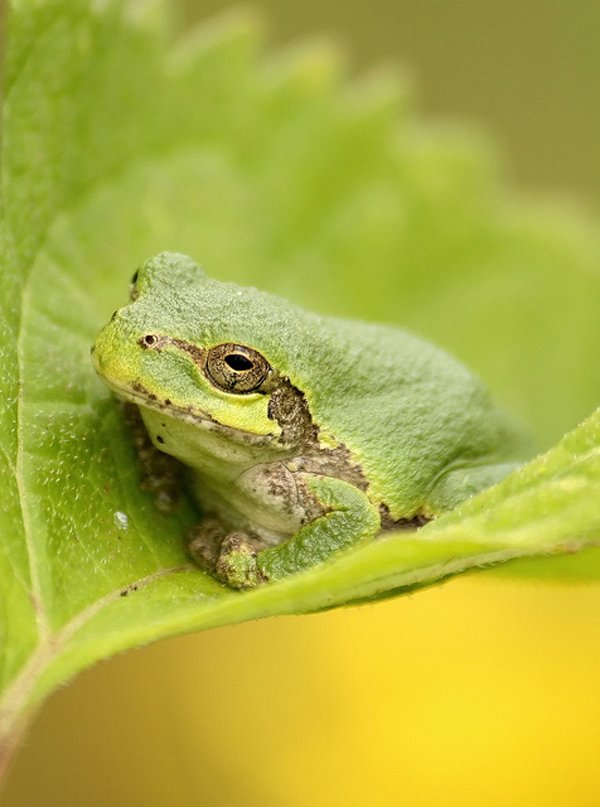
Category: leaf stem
<point>15,713</point>
<point>10,745</point>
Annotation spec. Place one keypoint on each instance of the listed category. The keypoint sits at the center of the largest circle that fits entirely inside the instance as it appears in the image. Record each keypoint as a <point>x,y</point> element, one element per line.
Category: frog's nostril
<point>113,315</point>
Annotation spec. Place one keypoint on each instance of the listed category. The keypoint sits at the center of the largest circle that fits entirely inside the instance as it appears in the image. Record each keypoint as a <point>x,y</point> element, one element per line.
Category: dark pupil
<point>238,362</point>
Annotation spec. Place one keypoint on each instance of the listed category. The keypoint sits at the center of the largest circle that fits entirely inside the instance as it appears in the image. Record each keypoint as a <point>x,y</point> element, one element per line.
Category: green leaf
<point>278,172</point>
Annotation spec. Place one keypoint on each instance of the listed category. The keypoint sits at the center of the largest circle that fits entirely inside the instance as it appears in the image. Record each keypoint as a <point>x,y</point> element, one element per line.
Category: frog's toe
<point>237,565</point>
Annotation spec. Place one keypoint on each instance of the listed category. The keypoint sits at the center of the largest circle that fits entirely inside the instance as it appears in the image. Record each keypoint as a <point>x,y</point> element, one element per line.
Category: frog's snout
<point>103,349</point>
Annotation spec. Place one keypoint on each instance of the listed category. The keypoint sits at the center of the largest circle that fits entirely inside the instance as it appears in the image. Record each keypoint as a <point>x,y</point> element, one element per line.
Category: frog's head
<point>208,354</point>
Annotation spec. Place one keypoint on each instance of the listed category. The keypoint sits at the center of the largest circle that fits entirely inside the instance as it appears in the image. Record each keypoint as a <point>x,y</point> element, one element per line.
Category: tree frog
<point>300,434</point>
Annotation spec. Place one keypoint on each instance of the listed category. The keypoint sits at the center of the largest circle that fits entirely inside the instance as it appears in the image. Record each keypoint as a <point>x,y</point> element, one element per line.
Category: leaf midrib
<point>39,608</point>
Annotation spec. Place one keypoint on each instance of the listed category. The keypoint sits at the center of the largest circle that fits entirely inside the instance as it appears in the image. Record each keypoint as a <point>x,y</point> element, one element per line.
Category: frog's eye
<point>236,368</point>
<point>133,293</point>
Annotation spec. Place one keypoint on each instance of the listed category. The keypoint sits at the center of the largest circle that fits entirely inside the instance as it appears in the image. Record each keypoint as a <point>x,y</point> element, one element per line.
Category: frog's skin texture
<point>301,434</point>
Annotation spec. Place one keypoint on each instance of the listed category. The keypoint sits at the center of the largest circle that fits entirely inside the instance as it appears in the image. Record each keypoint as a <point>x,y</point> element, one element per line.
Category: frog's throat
<point>288,408</point>
<point>137,394</point>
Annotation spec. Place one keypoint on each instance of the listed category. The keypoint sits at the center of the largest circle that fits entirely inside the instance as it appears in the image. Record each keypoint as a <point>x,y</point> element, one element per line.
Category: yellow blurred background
<point>475,693</point>
<point>482,691</point>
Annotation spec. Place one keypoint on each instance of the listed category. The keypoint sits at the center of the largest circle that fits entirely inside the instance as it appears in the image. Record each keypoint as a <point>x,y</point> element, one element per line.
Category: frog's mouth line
<point>137,394</point>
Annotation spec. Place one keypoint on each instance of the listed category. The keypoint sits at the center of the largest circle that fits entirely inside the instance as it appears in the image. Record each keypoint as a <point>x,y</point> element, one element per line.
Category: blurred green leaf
<point>277,172</point>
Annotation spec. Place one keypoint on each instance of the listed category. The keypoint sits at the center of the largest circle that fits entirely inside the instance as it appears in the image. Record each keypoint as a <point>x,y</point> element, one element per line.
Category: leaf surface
<point>276,172</point>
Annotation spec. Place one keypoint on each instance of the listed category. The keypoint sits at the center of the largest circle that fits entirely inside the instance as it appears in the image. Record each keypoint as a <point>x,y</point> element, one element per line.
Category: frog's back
<point>408,412</point>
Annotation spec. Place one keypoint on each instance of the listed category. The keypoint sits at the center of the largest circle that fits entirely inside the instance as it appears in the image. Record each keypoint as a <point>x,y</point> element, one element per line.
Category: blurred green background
<point>478,692</point>
<point>528,73</point>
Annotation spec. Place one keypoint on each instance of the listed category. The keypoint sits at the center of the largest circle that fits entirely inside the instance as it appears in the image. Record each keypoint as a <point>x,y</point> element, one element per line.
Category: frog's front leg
<point>229,556</point>
<point>347,518</point>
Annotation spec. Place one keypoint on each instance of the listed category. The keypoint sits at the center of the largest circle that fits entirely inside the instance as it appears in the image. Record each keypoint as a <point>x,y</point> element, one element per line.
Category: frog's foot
<point>236,565</point>
<point>231,557</point>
